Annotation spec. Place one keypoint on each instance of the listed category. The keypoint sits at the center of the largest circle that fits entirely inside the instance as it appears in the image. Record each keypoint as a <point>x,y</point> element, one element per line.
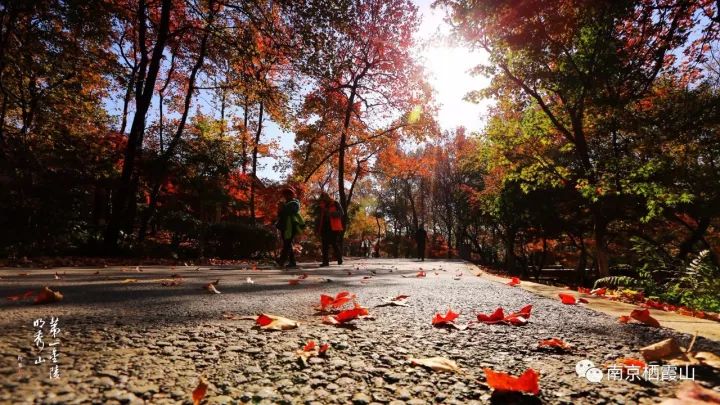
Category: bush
<point>238,240</point>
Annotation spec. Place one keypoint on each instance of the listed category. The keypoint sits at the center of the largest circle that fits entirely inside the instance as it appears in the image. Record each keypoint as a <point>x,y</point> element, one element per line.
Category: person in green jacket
<point>290,224</point>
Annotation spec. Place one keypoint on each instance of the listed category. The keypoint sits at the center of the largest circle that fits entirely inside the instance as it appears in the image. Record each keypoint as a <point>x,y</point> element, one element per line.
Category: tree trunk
<point>143,96</point>
<point>258,133</point>
<point>601,251</point>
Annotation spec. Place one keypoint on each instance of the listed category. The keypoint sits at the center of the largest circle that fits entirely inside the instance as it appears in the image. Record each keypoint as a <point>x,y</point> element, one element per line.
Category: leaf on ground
<point>273,322</point>
<point>421,274</point>
<point>21,297</point>
<point>340,299</point>
<point>569,299</point>
<point>47,296</point>
<point>527,382</point>
<point>669,350</point>
<point>496,317</point>
<point>643,315</point>
<point>210,287</point>
<point>661,350</point>
<point>437,364</point>
<point>249,281</point>
<point>692,393</point>
<point>311,349</point>
<point>514,282</point>
<point>399,301</point>
<point>554,343</point>
<point>518,318</point>
<point>346,316</point>
<point>199,392</point>
<point>599,292</point>
<point>445,320</point>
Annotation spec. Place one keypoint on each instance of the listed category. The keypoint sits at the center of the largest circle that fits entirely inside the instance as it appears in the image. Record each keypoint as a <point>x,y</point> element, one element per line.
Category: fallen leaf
<point>21,297</point>
<point>692,393</point>
<point>527,382</point>
<point>199,392</point>
<point>249,281</point>
<point>440,320</point>
<point>496,317</point>
<point>47,296</point>
<point>518,318</point>
<point>569,299</point>
<point>514,281</point>
<point>421,274</point>
<point>437,364</point>
<point>669,350</point>
<point>309,346</point>
<point>599,292</point>
<point>324,348</point>
<point>661,350</point>
<point>273,322</point>
<point>554,343</point>
<point>210,287</point>
<point>346,316</point>
<point>340,299</point>
<point>643,315</point>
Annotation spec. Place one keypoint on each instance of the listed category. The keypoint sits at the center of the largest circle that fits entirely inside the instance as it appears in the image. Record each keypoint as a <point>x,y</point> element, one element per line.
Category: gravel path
<point>135,342</point>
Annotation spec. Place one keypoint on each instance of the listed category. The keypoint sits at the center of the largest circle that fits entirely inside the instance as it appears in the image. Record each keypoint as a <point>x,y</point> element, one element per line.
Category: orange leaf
<point>554,342</point>
<point>199,392</point>
<point>514,281</point>
<point>568,299</point>
<point>347,315</point>
<point>450,316</point>
<point>643,315</point>
<point>309,346</point>
<point>47,296</point>
<point>496,317</point>
<point>527,382</point>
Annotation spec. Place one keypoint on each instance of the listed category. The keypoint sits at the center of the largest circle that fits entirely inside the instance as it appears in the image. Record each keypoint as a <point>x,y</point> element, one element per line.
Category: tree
<point>580,63</point>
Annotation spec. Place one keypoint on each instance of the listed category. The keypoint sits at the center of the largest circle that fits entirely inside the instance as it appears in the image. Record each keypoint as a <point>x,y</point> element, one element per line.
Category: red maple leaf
<point>527,382</point>
<point>263,320</point>
<point>496,317</point>
<point>309,346</point>
<point>450,316</point>
<point>643,315</point>
<point>514,281</point>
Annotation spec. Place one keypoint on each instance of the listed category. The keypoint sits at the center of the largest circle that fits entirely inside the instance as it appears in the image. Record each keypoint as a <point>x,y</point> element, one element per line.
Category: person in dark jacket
<point>289,224</point>
<point>420,238</point>
<point>330,228</point>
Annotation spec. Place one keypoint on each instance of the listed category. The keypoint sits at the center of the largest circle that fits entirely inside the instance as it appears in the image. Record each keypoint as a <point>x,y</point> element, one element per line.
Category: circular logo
<point>582,367</point>
<point>594,375</point>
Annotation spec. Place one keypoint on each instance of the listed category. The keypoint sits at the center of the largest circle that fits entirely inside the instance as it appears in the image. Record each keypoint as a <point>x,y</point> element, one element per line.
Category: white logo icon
<point>587,369</point>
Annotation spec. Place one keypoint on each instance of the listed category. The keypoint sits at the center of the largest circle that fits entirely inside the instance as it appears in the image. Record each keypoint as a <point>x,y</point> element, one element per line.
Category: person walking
<point>330,228</point>
<point>290,224</point>
<point>365,245</point>
<point>420,238</point>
